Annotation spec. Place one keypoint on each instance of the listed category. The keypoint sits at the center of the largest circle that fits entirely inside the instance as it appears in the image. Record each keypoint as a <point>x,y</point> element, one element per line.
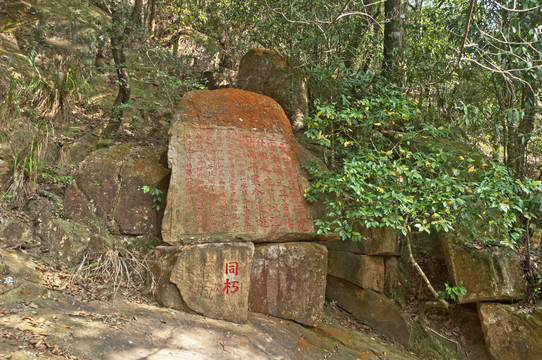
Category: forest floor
<point>46,315</point>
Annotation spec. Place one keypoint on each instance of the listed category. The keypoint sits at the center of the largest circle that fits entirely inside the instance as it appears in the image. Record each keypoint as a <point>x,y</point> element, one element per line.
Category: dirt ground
<point>42,317</point>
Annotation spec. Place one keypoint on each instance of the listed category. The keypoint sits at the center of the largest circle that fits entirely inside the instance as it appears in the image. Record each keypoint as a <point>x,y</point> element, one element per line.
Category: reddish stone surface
<point>289,281</point>
<point>511,332</point>
<point>235,172</point>
<point>108,187</point>
<point>135,213</point>
<point>214,279</point>
<point>237,109</point>
<point>267,72</point>
<point>371,307</point>
<point>363,270</point>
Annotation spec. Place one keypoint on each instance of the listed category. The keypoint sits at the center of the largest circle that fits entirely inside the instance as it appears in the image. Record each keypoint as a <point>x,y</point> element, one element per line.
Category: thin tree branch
<point>337,16</point>
<point>503,72</point>
<point>360,13</point>
<point>506,41</point>
<point>515,9</point>
<point>420,271</point>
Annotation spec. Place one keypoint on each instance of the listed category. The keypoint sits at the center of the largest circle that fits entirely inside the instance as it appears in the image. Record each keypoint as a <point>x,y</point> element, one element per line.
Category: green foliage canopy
<point>412,181</point>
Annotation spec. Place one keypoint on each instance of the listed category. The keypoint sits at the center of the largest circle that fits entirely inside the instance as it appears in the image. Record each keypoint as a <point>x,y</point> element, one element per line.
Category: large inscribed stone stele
<point>235,172</point>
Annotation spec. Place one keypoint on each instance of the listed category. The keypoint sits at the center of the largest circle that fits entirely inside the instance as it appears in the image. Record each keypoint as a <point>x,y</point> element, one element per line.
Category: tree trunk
<point>118,42</point>
<point>151,23</point>
<point>518,135</point>
<point>393,67</point>
<point>136,13</point>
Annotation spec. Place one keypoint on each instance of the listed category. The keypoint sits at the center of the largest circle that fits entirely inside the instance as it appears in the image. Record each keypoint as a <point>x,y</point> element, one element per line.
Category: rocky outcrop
<point>236,180</point>
<point>289,281</point>
<point>267,72</point>
<point>15,270</point>
<point>235,172</point>
<point>371,263</point>
<point>510,332</point>
<point>161,262</point>
<point>108,188</point>
<point>14,232</point>
<point>365,271</point>
<point>68,242</point>
<point>198,51</point>
<point>210,279</point>
<point>372,308</point>
<point>487,274</point>
<point>376,241</point>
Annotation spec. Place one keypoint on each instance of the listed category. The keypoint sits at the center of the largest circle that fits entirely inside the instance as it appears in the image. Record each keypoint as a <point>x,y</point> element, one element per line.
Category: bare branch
<point>341,13</point>
<point>516,9</point>
<point>506,41</point>
<point>506,73</point>
<point>306,22</point>
<point>360,13</point>
<point>338,14</point>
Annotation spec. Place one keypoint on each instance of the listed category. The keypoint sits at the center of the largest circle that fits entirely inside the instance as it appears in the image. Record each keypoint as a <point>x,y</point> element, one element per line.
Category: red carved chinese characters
<point>231,286</point>
<point>236,183</point>
<point>232,268</point>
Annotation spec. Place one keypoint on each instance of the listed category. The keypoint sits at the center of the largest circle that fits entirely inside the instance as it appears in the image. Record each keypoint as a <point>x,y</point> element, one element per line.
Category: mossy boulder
<point>488,274</point>
<point>68,242</point>
<point>512,332</point>
<point>268,73</point>
<point>14,232</point>
<point>108,187</point>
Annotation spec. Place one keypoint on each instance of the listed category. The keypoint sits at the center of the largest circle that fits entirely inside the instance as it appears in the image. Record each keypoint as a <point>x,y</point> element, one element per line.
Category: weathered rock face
<point>161,262</point>
<point>214,279</point>
<point>108,187</point>
<point>235,172</point>
<point>487,275</point>
<point>289,281</point>
<point>266,72</point>
<point>79,150</point>
<point>13,232</point>
<point>68,242</point>
<point>536,238</point>
<point>393,275</point>
<point>362,270</point>
<point>377,241</point>
<point>199,51</point>
<point>372,308</point>
<point>15,269</point>
<point>511,332</point>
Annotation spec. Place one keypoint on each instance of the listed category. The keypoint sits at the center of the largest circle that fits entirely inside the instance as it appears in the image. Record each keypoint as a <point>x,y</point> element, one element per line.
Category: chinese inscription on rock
<point>214,279</point>
<point>239,184</point>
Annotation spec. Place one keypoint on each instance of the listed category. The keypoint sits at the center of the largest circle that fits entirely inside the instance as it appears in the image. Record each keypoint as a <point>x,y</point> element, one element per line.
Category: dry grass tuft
<point>117,268</point>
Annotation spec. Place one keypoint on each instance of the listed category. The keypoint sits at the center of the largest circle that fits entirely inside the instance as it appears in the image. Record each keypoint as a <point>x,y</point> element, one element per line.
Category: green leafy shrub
<point>452,292</point>
<point>156,196</point>
<point>411,180</point>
